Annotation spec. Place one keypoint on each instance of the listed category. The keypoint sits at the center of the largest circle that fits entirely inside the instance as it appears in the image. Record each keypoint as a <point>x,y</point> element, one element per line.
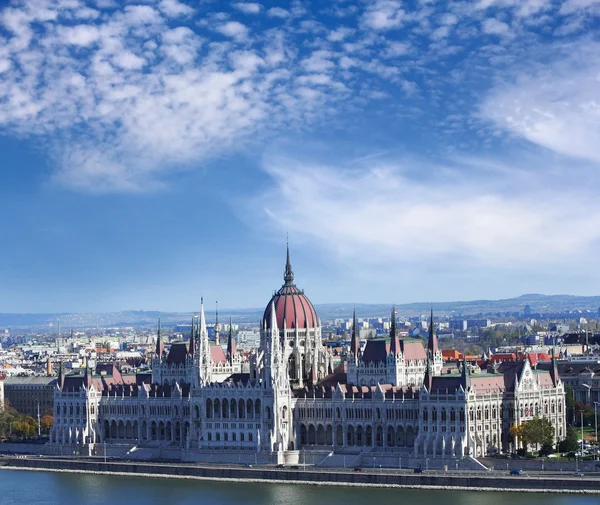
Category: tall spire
<point>428,379</point>
<point>355,342</point>
<point>192,345</point>
<point>466,377</point>
<point>432,343</point>
<point>217,324</point>
<point>204,355</point>
<point>61,375</point>
<point>159,345</point>
<point>554,369</point>
<point>87,379</point>
<point>394,343</point>
<point>231,347</point>
<point>288,275</point>
<point>202,321</point>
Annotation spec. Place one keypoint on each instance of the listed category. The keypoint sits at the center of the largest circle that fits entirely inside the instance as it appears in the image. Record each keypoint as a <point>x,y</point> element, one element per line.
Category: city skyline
<point>413,151</point>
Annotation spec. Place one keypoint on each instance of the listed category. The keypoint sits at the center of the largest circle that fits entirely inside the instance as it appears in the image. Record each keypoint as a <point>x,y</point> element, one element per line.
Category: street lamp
<point>596,421</point>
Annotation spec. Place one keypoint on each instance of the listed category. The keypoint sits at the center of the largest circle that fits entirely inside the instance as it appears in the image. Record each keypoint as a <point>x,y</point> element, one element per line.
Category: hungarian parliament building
<point>391,398</point>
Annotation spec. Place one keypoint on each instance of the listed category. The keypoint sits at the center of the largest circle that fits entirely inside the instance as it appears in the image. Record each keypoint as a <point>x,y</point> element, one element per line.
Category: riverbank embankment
<point>480,482</point>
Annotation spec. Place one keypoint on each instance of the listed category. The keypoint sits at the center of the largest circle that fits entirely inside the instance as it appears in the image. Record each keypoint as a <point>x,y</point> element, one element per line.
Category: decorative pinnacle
<point>288,275</point>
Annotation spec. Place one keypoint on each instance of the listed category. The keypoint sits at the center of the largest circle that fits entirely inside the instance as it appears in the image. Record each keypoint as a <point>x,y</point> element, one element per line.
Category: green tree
<point>46,423</point>
<point>569,444</point>
<point>538,431</point>
<point>570,402</point>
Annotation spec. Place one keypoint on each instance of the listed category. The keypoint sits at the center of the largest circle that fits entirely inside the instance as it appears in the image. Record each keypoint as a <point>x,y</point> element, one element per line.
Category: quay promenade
<point>460,480</point>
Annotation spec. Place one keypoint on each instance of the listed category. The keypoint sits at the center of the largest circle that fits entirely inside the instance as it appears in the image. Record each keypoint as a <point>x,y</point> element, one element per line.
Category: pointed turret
<point>205,357</point>
<point>231,347</point>
<point>202,322</point>
<point>432,343</point>
<point>87,378</point>
<point>428,378</point>
<point>192,345</point>
<point>288,275</point>
<point>355,342</point>
<point>554,369</point>
<point>61,375</point>
<point>159,345</point>
<point>217,328</point>
<point>466,376</point>
<point>394,342</point>
<point>273,325</point>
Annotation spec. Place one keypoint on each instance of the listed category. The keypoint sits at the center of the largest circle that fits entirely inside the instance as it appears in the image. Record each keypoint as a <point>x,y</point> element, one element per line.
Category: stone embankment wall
<point>431,481</point>
<point>536,465</point>
<point>21,448</point>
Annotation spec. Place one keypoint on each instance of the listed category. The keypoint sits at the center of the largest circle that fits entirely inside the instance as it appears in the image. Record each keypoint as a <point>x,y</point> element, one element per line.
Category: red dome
<point>291,304</point>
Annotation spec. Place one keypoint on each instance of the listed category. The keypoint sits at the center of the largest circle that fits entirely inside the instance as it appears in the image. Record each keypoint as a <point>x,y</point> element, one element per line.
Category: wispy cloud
<point>123,95</point>
<point>379,212</point>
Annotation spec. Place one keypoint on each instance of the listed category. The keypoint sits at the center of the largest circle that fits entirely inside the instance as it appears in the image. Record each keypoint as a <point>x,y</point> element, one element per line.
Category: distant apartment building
<point>24,394</point>
<point>2,377</point>
<point>583,376</point>
<point>465,324</point>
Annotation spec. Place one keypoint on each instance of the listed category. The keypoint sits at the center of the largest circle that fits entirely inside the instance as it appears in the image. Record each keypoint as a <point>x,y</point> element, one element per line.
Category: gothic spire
<point>87,379</point>
<point>61,375</point>
<point>394,343</point>
<point>231,347</point>
<point>355,342</point>
<point>428,379</point>
<point>192,337</point>
<point>202,321</point>
<point>288,275</point>
<point>217,324</point>
<point>159,345</point>
<point>554,369</point>
<point>466,377</point>
<point>432,343</point>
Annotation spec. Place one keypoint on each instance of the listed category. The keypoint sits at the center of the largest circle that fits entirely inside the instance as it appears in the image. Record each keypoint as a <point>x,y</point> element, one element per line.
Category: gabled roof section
<point>177,353</point>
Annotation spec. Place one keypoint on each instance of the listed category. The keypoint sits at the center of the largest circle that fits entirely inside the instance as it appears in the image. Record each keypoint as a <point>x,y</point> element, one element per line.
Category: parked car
<point>516,471</point>
<point>577,474</point>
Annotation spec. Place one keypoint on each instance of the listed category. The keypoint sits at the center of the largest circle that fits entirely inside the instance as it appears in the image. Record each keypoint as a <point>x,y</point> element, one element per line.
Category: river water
<point>48,488</point>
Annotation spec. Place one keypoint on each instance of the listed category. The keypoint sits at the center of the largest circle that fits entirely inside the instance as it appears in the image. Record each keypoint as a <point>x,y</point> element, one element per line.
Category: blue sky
<point>152,152</point>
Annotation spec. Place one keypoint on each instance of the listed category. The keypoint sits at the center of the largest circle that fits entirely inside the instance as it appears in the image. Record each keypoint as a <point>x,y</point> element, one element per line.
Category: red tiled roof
<point>217,354</point>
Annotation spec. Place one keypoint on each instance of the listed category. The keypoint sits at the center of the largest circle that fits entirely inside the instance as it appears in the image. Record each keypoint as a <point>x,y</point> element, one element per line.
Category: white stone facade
<point>393,400</point>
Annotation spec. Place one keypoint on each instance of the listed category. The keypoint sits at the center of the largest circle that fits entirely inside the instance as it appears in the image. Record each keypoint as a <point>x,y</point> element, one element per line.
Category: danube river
<point>45,488</point>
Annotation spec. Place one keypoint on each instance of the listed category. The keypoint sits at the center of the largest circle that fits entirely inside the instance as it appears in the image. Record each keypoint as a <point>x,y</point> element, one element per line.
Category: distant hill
<point>539,304</point>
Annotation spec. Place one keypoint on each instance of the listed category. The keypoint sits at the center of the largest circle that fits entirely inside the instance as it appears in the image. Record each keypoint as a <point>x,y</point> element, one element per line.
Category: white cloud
<point>80,35</point>
<point>174,8</point>
<point>128,61</point>
<point>233,29</point>
<point>4,65</point>
<point>376,214</point>
<point>248,7</point>
<point>441,32</point>
<point>556,106</point>
<point>278,12</point>
<point>340,34</point>
<point>495,27</point>
<point>384,15</point>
